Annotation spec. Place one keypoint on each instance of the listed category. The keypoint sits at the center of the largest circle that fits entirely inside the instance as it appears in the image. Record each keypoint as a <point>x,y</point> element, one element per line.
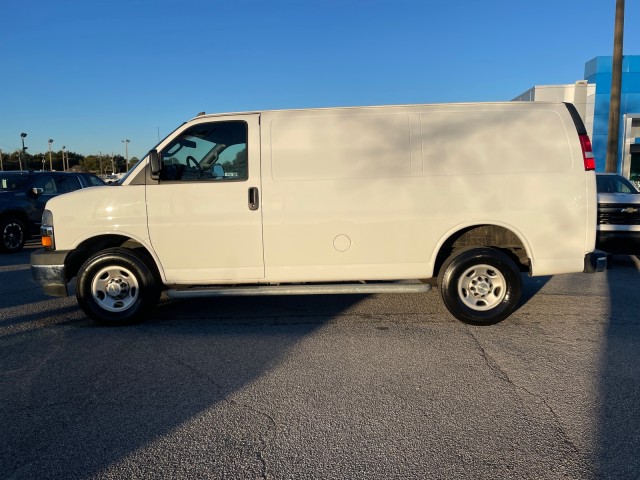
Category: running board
<point>325,289</point>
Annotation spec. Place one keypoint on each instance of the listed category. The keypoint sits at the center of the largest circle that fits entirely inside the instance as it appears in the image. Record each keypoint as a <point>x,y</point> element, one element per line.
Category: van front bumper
<point>595,261</point>
<point>48,270</point>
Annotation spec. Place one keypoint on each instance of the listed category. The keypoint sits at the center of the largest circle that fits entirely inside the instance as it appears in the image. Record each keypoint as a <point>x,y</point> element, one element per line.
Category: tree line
<point>98,164</point>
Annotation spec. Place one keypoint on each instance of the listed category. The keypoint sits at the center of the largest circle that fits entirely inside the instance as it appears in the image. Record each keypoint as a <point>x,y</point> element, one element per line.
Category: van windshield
<point>144,159</point>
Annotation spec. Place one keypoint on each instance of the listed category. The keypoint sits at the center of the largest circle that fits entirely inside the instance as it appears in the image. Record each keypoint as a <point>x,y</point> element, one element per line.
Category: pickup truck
<point>618,215</point>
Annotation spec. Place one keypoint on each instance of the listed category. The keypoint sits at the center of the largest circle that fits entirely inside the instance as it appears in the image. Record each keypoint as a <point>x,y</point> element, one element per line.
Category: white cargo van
<point>337,200</point>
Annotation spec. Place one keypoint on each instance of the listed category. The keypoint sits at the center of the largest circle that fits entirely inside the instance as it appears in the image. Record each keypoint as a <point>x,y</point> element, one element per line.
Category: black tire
<point>480,286</point>
<point>13,235</point>
<point>117,287</point>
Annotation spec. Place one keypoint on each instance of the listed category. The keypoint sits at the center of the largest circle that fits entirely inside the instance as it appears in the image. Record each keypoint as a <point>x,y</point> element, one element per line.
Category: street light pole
<point>64,168</point>
<point>611,163</point>
<point>24,150</point>
<point>126,151</point>
<point>50,162</point>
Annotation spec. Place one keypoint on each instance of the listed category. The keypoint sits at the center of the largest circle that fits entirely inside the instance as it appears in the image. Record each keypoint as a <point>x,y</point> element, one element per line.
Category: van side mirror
<point>154,161</point>
<point>37,191</point>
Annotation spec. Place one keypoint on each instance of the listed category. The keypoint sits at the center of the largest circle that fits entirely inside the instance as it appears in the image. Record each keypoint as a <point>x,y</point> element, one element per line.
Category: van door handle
<point>254,198</point>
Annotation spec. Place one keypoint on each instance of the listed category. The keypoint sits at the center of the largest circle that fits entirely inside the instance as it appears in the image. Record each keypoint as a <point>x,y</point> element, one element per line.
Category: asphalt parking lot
<point>353,387</point>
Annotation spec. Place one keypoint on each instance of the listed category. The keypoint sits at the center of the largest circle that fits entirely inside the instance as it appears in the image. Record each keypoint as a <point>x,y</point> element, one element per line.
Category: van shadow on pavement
<point>101,395</point>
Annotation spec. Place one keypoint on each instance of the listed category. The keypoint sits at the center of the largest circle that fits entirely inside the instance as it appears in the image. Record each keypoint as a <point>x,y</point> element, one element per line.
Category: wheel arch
<point>501,237</point>
<point>20,215</point>
<point>93,245</point>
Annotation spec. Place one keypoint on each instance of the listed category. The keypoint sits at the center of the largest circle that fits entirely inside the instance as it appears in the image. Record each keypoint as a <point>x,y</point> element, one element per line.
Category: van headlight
<point>46,231</point>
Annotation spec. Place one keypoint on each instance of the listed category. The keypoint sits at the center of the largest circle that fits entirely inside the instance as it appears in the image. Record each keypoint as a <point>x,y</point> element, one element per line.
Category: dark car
<point>618,215</point>
<point>23,196</point>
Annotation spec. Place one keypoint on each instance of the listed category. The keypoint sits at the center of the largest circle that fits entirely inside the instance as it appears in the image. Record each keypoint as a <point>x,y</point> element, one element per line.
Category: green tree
<point>239,164</point>
<point>75,160</point>
<point>93,164</point>
<point>120,164</point>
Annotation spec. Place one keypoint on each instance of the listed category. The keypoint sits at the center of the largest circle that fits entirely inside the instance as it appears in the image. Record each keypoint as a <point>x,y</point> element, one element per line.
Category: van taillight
<point>587,153</point>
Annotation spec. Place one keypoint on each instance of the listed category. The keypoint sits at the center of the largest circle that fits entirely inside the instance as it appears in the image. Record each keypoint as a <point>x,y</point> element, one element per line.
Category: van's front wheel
<point>117,287</point>
<point>480,286</point>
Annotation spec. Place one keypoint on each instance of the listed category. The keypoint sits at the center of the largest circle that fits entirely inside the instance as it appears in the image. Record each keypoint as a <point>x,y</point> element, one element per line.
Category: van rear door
<point>204,214</point>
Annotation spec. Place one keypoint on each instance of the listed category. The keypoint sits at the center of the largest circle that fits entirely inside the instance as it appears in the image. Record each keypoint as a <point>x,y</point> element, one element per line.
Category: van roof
<point>511,104</point>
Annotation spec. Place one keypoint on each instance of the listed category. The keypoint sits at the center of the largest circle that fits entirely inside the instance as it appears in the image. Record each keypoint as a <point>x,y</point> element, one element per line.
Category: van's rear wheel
<point>480,286</point>
<point>117,287</point>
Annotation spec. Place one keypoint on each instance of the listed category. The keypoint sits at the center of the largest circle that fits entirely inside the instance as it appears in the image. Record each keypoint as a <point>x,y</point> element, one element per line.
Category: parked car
<point>23,196</point>
<point>618,215</point>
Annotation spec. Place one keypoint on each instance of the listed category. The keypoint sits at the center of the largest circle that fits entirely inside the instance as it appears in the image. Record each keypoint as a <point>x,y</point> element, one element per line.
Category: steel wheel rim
<point>115,288</point>
<point>482,287</point>
<point>12,235</point>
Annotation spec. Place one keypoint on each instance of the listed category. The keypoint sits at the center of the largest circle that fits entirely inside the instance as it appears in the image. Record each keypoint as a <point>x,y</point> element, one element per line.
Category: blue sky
<point>89,73</point>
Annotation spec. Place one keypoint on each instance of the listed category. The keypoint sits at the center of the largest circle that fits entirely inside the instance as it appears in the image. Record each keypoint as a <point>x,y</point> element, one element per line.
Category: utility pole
<point>50,162</point>
<point>64,169</point>
<point>1,167</point>
<point>23,151</point>
<point>611,164</point>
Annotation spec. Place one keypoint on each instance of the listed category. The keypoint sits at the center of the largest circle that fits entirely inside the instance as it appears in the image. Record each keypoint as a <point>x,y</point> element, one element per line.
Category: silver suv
<point>618,215</point>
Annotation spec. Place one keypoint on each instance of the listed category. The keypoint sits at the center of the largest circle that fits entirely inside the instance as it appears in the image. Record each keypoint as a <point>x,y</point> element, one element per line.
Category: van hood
<point>91,201</point>
<point>99,210</point>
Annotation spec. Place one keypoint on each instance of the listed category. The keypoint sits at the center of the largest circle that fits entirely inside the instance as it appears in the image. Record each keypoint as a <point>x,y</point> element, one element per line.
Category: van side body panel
<point>349,194</point>
<point>373,193</point>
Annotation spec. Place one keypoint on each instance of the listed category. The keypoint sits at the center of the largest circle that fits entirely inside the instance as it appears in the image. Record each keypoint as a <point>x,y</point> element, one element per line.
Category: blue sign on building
<point>598,71</point>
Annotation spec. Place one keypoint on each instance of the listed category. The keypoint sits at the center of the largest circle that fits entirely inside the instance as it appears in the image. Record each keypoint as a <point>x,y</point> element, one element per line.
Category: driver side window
<point>214,151</point>
<point>47,183</point>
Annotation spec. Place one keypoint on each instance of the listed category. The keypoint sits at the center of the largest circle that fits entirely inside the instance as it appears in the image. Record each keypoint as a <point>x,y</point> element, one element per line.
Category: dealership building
<point>591,97</point>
